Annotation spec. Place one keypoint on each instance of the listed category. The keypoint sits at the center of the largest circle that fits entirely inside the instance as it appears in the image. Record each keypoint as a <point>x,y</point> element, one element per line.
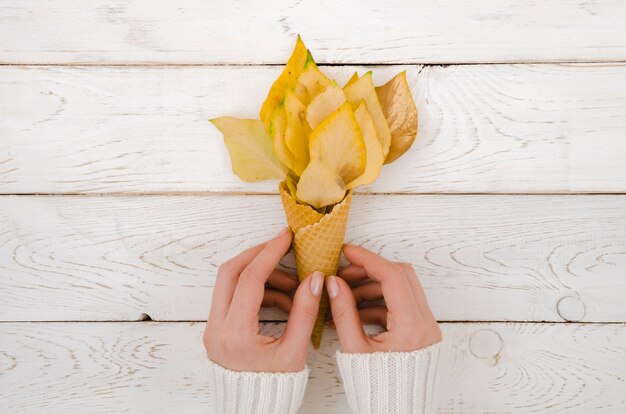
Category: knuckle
<point>225,269</point>
<point>340,312</point>
<point>309,312</point>
<point>246,274</point>
<point>305,307</point>
<point>406,266</point>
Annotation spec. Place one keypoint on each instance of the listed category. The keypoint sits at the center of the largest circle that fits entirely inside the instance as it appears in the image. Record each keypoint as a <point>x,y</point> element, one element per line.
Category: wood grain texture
<point>522,258</point>
<point>400,31</point>
<point>159,367</point>
<point>483,128</point>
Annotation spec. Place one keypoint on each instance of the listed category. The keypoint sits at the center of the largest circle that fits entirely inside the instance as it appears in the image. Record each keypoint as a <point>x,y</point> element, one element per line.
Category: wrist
<point>431,347</point>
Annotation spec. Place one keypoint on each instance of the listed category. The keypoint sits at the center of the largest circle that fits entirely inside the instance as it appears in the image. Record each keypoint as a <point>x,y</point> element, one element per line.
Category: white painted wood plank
<point>196,31</point>
<point>483,128</point>
<point>160,367</point>
<point>523,258</point>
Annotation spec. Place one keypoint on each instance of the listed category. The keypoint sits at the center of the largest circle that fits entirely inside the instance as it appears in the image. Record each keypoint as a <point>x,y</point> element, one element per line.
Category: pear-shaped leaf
<point>310,81</point>
<point>278,127</point>
<point>338,142</point>
<point>373,149</point>
<point>401,113</point>
<point>287,79</point>
<point>363,89</point>
<point>251,150</point>
<point>324,103</point>
<point>320,185</point>
<point>297,132</point>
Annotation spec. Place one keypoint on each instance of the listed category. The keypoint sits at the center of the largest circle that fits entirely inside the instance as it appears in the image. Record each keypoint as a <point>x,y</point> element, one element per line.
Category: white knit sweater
<point>381,382</point>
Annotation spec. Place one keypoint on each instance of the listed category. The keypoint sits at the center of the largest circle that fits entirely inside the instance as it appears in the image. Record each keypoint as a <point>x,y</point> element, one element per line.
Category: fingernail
<point>317,280</point>
<point>282,232</point>
<point>332,287</point>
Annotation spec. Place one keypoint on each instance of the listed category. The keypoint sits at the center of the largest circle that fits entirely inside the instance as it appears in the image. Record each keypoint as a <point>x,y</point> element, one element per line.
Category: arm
<point>250,372</point>
<point>394,371</point>
<point>256,392</point>
<point>390,382</point>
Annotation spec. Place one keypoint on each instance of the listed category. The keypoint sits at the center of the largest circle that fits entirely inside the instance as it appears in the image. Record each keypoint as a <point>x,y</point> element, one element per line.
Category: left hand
<point>232,337</point>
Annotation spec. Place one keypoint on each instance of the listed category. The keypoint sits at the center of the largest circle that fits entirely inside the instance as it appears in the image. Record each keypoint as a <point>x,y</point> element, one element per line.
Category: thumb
<point>303,313</point>
<point>352,338</point>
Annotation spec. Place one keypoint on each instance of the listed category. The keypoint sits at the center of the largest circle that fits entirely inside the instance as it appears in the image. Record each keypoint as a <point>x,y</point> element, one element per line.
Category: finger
<point>376,315</point>
<point>353,273</point>
<point>369,291</point>
<point>227,276</point>
<point>248,296</point>
<point>395,284</point>
<point>303,313</point>
<point>281,280</point>
<point>352,338</point>
<point>276,299</point>
<point>419,294</point>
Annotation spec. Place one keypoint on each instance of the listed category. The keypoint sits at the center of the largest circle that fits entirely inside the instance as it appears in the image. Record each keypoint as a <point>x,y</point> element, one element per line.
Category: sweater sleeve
<point>390,382</point>
<point>242,392</point>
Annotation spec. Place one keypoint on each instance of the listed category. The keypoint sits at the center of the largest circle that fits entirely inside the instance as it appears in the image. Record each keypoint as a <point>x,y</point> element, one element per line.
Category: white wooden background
<point>117,202</point>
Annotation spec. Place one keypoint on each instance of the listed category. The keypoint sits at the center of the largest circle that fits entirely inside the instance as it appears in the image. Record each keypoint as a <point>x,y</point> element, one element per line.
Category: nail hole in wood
<point>145,317</point>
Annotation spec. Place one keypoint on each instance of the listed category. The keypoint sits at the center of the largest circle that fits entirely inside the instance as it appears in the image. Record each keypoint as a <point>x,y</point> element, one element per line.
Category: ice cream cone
<point>317,243</point>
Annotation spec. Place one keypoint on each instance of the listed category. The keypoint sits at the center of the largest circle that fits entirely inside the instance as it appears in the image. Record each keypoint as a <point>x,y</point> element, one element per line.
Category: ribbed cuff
<point>391,382</point>
<point>243,392</point>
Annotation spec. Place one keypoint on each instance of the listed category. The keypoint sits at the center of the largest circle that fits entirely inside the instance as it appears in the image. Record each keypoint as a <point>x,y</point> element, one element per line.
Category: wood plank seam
<point>261,193</point>
<point>496,368</point>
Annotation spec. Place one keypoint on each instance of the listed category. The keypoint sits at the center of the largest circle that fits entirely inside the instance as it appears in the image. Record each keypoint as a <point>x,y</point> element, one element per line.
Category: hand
<point>232,337</point>
<point>409,322</point>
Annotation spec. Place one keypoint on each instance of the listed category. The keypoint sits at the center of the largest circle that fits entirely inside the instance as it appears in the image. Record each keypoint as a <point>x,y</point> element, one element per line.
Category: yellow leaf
<point>373,149</point>
<point>287,79</point>
<point>320,185</point>
<point>352,79</point>
<point>291,182</point>
<point>401,114</point>
<point>338,143</point>
<point>363,89</point>
<point>251,153</point>
<point>310,81</point>
<point>324,103</point>
<point>297,132</point>
<point>278,126</point>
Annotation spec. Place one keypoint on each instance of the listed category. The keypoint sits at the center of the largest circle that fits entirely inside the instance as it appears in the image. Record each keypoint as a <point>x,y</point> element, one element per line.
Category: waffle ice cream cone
<point>317,243</point>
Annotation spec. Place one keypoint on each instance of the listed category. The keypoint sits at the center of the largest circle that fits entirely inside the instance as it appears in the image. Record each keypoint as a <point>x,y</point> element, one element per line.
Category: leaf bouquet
<point>322,140</point>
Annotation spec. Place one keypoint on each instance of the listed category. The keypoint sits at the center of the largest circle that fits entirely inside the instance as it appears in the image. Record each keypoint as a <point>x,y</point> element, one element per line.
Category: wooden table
<point>118,202</point>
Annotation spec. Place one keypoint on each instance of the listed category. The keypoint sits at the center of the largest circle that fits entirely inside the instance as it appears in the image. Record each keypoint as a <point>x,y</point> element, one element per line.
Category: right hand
<point>409,321</point>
